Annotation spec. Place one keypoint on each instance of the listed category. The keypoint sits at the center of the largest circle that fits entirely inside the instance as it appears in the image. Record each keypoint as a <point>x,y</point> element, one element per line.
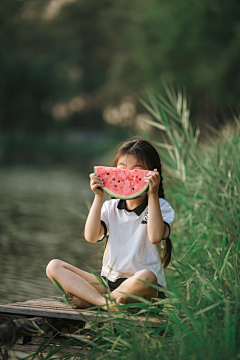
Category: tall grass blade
<point>63,291</point>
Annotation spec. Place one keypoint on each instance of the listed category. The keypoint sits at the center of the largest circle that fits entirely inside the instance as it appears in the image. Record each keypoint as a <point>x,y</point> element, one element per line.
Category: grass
<point>202,308</point>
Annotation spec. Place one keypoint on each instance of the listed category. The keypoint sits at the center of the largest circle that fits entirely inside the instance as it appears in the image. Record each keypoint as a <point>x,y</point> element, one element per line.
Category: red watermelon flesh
<point>122,183</point>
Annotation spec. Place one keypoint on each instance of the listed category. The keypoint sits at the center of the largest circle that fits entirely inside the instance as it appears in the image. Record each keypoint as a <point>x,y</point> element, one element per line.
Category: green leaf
<point>63,291</point>
<point>167,159</point>
<point>155,124</point>
<point>207,308</point>
<point>182,201</point>
<point>225,260</point>
<point>213,262</point>
<point>151,111</point>
<point>222,251</point>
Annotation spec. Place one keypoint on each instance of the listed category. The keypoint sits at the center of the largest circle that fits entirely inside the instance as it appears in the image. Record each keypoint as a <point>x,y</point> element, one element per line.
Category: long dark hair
<point>148,156</point>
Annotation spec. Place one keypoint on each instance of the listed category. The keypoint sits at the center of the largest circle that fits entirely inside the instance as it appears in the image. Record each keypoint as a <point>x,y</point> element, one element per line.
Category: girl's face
<point>130,162</point>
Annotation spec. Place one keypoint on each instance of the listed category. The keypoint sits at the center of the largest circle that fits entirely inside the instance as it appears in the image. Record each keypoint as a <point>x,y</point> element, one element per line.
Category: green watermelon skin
<point>122,183</point>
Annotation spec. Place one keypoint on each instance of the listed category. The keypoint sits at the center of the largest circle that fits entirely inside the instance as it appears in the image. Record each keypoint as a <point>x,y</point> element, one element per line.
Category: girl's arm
<point>155,224</point>
<point>93,228</point>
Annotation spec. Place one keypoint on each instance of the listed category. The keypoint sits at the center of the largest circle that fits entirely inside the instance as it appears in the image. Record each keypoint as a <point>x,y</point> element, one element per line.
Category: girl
<point>134,230</point>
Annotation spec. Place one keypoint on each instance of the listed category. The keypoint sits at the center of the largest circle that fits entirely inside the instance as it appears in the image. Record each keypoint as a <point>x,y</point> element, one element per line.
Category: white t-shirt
<point>128,248</point>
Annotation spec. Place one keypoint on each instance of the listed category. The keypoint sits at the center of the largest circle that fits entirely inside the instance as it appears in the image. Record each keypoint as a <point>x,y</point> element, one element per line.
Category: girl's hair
<point>148,156</point>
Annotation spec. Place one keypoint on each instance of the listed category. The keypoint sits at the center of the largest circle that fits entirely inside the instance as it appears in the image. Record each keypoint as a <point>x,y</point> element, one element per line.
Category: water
<point>37,224</point>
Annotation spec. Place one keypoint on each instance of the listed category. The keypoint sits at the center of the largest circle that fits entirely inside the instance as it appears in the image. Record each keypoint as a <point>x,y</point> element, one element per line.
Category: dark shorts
<point>113,285</point>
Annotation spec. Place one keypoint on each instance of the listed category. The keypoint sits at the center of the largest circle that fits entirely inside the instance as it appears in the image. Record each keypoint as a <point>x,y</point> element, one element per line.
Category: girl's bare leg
<point>76,283</point>
<point>135,287</point>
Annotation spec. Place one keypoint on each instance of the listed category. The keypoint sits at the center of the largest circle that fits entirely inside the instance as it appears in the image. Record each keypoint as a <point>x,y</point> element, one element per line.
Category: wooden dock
<point>49,313</point>
<point>48,307</point>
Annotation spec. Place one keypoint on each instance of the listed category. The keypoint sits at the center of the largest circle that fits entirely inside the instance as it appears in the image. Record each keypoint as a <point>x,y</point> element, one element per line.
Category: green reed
<point>200,317</point>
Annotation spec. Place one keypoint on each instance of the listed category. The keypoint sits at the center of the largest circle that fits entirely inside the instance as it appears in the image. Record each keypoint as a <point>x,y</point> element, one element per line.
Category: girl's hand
<point>95,183</point>
<point>153,180</point>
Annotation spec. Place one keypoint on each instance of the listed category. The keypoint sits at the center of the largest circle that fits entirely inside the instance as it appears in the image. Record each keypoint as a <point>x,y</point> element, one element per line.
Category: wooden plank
<point>53,308</point>
<point>71,315</point>
<point>42,306</point>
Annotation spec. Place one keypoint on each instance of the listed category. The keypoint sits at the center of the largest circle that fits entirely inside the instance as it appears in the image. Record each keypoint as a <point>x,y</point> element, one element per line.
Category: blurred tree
<point>190,42</point>
<point>28,75</point>
<point>38,68</point>
<point>67,60</point>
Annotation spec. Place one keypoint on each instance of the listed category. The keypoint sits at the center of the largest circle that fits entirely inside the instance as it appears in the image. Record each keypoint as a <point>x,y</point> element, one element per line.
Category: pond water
<point>41,218</point>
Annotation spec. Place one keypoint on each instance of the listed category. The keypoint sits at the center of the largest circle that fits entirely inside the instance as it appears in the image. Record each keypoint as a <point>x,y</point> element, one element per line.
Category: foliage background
<point>67,65</point>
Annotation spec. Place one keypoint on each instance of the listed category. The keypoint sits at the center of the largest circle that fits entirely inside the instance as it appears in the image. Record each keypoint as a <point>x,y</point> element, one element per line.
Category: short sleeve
<point>168,215</point>
<point>104,219</point>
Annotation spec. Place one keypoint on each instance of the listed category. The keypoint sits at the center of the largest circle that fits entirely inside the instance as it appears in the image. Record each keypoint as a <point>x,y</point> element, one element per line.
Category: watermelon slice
<point>122,183</point>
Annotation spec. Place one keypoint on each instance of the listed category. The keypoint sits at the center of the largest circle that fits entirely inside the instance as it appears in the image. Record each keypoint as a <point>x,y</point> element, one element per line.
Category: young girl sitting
<point>134,229</point>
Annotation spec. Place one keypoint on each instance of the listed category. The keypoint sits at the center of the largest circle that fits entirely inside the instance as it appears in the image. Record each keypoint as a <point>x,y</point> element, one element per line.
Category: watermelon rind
<point>129,197</point>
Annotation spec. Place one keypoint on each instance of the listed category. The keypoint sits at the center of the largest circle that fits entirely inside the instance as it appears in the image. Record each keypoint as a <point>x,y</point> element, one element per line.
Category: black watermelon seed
<point>113,179</point>
<point>107,173</point>
<point>118,180</point>
<point>115,185</point>
<point>133,188</point>
<point>140,179</point>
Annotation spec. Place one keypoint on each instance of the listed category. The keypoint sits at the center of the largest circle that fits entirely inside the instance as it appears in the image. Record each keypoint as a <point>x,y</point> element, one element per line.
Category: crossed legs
<point>85,290</point>
<point>77,282</point>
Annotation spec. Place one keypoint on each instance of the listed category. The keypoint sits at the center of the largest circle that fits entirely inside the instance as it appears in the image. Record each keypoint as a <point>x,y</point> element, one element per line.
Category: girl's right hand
<point>95,183</point>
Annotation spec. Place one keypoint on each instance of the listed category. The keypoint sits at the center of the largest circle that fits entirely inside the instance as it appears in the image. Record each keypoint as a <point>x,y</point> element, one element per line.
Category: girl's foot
<point>120,300</point>
<point>78,303</point>
<point>112,307</point>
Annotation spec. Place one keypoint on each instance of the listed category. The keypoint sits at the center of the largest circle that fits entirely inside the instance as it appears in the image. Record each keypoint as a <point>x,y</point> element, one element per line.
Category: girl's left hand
<point>153,180</point>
